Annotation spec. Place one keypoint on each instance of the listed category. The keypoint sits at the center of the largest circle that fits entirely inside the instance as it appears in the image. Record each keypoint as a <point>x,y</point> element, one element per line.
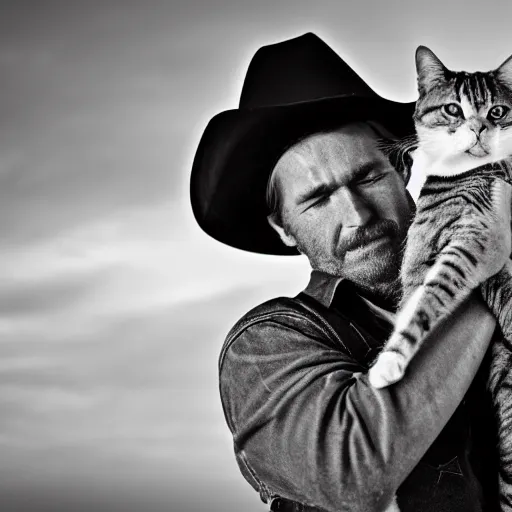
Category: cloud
<point>90,124</point>
<point>136,404</point>
<point>132,378</point>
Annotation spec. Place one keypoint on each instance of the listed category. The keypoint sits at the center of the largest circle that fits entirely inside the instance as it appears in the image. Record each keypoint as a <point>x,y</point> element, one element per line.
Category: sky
<point>113,303</point>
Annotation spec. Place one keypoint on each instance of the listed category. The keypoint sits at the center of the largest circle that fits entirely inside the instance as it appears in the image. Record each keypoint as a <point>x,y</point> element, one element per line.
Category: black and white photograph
<point>255,256</point>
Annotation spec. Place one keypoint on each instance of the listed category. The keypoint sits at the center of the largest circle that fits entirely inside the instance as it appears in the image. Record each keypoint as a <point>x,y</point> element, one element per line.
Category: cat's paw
<point>388,369</point>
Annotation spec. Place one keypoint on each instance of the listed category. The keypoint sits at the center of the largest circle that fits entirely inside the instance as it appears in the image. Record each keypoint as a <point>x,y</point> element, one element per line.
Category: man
<point>310,433</point>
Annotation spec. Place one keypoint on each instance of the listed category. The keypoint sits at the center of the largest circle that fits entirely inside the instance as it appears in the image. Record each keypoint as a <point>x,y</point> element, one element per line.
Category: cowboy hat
<point>293,88</point>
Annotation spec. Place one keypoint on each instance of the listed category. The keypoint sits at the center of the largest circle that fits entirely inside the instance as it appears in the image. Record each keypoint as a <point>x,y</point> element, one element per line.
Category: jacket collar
<point>322,287</point>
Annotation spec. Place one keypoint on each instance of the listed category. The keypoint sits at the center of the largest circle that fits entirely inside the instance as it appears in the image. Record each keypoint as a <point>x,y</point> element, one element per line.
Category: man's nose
<point>355,211</point>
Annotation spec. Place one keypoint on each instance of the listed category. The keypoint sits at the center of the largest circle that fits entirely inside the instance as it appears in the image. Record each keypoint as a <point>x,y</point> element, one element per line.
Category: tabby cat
<point>464,138</point>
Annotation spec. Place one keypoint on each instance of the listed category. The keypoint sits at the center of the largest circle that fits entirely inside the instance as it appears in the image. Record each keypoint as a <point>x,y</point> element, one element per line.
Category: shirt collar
<point>322,287</point>
<point>389,316</point>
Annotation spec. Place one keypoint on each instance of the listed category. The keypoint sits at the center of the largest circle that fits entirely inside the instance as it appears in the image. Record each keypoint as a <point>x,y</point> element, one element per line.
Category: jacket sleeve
<point>307,423</point>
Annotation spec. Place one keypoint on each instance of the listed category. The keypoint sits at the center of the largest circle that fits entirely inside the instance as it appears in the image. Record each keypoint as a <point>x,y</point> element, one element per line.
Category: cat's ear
<point>504,72</point>
<point>431,70</point>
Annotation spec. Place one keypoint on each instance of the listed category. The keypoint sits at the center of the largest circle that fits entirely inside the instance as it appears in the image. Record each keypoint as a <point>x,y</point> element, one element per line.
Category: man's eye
<point>370,179</point>
<point>321,200</point>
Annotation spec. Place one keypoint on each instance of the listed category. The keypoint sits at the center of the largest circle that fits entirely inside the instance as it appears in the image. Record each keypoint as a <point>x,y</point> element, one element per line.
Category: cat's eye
<point>452,109</point>
<point>497,112</point>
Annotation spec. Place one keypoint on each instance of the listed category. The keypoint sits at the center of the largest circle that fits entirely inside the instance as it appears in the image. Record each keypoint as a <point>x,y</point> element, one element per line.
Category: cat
<point>463,143</point>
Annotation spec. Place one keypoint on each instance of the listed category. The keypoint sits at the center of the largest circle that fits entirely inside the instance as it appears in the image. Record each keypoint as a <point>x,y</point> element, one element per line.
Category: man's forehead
<point>349,147</point>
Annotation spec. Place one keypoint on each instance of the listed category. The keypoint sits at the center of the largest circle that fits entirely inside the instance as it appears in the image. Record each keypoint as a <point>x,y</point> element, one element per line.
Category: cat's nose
<point>477,128</point>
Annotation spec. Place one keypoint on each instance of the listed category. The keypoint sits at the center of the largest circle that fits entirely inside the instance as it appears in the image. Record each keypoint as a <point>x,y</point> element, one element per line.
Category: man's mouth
<point>370,237</point>
<point>374,244</point>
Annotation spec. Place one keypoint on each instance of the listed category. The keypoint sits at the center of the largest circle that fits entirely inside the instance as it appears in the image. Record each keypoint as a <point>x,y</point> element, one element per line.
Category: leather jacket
<point>309,432</point>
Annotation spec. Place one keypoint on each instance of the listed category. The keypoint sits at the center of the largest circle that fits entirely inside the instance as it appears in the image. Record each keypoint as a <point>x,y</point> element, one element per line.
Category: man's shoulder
<point>297,316</point>
<point>274,306</point>
<point>270,311</point>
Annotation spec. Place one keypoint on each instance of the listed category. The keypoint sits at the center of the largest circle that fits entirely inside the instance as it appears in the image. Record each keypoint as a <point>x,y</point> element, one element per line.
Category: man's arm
<point>311,427</point>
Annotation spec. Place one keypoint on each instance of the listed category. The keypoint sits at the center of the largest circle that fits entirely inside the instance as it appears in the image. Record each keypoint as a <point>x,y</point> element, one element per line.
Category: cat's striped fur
<point>464,141</point>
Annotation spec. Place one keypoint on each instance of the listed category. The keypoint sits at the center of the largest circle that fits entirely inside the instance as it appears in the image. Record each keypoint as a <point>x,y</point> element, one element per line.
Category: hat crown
<point>299,70</point>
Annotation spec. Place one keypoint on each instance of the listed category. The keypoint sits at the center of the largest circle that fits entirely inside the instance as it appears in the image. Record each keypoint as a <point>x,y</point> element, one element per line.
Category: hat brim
<point>239,149</point>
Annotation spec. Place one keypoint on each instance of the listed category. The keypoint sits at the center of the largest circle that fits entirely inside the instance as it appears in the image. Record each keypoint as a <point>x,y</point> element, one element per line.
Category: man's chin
<point>379,270</point>
<point>372,279</point>
<point>379,261</point>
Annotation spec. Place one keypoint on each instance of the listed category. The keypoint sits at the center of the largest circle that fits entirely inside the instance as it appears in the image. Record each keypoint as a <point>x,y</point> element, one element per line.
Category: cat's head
<point>463,120</point>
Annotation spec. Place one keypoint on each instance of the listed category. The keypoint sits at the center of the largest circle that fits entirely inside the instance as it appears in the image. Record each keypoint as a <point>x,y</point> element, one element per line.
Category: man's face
<point>344,206</point>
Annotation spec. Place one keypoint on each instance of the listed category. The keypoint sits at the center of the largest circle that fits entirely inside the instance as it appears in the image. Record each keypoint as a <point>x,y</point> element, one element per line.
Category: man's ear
<point>287,239</point>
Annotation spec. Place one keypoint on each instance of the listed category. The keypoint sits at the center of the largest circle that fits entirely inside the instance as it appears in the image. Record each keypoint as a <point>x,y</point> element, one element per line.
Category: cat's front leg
<point>446,285</point>
<point>428,306</point>
<point>480,246</point>
<point>497,293</point>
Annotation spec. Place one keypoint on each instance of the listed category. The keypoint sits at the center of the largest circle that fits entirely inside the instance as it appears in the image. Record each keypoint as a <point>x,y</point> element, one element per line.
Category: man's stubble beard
<point>379,280</point>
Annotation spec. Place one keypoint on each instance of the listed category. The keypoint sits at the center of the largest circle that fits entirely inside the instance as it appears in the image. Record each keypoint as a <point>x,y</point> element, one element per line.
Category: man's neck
<point>386,296</point>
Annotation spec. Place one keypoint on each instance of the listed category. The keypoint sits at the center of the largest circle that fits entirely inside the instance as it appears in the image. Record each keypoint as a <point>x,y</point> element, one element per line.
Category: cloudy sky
<point>113,303</point>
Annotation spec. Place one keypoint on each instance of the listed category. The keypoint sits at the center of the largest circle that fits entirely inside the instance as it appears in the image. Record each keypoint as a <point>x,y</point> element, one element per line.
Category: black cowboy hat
<point>292,88</point>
